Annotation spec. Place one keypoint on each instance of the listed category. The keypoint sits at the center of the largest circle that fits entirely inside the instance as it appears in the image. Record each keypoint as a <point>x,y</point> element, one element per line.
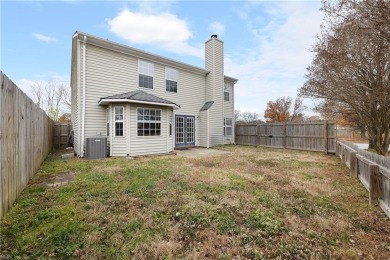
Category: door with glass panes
<point>184,131</point>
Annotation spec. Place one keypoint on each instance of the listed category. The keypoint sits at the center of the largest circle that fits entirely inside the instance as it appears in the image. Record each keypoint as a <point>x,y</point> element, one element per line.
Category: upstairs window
<point>171,76</point>
<point>228,127</point>
<point>146,72</point>
<point>119,121</point>
<point>226,91</point>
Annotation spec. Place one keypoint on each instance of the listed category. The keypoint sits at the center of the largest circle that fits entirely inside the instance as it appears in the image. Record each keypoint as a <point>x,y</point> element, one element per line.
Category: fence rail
<point>371,169</point>
<point>26,135</point>
<point>310,136</point>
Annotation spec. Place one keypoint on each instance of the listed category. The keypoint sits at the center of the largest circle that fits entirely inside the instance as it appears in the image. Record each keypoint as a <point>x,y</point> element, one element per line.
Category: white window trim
<point>166,78</point>
<point>140,60</point>
<point>108,122</point>
<point>229,90</point>
<point>161,126</point>
<point>119,121</point>
<point>227,126</point>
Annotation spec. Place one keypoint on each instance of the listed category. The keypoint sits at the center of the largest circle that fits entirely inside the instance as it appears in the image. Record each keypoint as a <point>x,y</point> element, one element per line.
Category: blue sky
<point>267,43</point>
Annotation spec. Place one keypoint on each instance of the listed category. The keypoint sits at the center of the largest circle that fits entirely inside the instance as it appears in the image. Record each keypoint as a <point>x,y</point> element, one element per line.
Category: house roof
<point>105,43</point>
<point>207,105</point>
<point>138,96</point>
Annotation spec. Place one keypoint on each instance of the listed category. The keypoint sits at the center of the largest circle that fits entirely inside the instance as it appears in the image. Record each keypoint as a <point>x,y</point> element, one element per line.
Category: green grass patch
<point>266,222</point>
<point>160,207</point>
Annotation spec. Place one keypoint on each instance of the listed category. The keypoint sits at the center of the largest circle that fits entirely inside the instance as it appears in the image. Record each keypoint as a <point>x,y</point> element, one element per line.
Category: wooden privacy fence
<point>26,135</point>
<point>371,169</point>
<point>62,134</point>
<point>310,136</point>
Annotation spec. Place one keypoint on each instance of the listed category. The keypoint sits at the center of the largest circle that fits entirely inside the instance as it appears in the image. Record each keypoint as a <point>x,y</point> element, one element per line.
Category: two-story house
<point>148,104</point>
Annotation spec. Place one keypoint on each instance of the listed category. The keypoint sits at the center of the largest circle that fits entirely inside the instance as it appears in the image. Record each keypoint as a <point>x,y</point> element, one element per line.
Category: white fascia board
<point>230,79</point>
<point>103,43</point>
<point>104,102</point>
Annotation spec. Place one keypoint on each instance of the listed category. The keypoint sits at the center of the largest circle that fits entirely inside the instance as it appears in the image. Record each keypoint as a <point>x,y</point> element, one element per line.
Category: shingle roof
<point>140,95</point>
<point>207,105</point>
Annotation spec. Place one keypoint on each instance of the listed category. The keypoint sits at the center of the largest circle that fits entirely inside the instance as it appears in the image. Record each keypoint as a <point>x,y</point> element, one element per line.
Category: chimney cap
<point>214,36</point>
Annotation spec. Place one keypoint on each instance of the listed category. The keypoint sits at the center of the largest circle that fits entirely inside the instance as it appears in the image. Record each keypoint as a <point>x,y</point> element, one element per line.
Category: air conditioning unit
<point>96,147</point>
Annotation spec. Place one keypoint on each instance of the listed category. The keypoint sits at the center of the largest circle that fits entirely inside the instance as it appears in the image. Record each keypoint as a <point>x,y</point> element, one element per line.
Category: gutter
<point>103,102</point>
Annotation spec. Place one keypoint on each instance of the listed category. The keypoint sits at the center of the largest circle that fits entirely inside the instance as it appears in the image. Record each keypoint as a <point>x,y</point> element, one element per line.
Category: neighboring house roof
<point>137,96</point>
<point>93,40</point>
<point>207,105</point>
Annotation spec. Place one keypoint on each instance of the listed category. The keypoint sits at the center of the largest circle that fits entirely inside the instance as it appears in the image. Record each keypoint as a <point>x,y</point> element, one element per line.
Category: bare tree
<point>297,112</point>
<point>37,90</point>
<point>52,97</point>
<point>249,117</point>
<point>343,115</point>
<point>237,115</point>
<point>351,64</point>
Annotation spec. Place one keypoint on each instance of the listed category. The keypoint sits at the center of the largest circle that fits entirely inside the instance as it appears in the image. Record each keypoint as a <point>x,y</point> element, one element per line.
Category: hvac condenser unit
<point>96,147</point>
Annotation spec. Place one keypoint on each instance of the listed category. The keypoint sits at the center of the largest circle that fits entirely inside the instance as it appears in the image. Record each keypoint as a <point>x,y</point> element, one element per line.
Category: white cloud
<point>44,38</point>
<point>25,85</point>
<point>284,33</point>
<point>165,30</point>
<point>217,28</point>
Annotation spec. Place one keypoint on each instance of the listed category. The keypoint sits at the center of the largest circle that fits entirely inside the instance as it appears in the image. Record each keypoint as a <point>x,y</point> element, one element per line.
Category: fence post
<point>375,186</point>
<point>285,135</point>
<point>353,164</point>
<point>326,136</point>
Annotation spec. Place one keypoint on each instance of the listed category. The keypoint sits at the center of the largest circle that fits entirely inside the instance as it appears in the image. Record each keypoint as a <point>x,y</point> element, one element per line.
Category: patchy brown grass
<point>252,203</point>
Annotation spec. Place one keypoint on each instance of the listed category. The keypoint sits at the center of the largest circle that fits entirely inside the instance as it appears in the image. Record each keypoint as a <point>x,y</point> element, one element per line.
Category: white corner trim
<point>83,109</point>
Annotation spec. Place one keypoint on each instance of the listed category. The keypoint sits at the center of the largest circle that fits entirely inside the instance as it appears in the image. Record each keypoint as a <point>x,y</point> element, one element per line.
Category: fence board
<point>310,136</point>
<point>373,171</point>
<point>62,131</point>
<point>26,136</point>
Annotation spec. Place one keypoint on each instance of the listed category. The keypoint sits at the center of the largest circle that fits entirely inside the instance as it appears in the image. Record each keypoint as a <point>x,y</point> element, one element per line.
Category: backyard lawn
<point>252,203</point>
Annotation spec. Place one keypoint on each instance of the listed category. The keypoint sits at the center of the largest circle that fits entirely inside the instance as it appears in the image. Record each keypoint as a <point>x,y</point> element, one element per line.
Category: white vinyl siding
<point>215,87</point>
<point>109,72</point>
<point>142,145</point>
<point>75,98</point>
<point>228,112</point>
<point>203,128</point>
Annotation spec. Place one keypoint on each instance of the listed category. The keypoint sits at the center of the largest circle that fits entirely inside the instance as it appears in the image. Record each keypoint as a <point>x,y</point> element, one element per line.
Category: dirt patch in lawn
<point>250,203</point>
<point>55,180</point>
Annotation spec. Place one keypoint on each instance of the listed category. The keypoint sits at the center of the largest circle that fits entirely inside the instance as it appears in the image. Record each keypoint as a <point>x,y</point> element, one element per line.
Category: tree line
<point>349,75</point>
<point>350,71</point>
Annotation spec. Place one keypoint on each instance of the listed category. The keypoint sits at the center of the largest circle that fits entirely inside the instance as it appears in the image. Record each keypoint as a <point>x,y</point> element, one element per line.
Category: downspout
<point>208,129</point>
<point>83,110</point>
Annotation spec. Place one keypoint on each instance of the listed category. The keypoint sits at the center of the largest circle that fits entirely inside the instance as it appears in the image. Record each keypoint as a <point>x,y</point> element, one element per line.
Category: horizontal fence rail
<point>371,169</point>
<point>26,135</point>
<point>309,136</point>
